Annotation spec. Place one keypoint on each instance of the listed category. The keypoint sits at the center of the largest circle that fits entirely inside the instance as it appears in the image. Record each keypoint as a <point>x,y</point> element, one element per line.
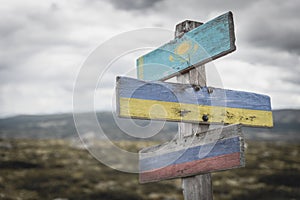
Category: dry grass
<point>50,169</point>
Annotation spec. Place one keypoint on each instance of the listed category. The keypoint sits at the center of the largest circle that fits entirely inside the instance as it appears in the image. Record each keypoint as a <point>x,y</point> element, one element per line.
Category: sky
<point>46,44</point>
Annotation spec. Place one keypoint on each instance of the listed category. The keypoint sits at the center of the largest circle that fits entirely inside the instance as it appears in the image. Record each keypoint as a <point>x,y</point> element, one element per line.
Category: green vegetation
<point>52,169</point>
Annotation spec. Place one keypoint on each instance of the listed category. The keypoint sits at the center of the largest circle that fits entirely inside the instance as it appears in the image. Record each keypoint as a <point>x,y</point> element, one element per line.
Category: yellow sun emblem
<point>184,51</point>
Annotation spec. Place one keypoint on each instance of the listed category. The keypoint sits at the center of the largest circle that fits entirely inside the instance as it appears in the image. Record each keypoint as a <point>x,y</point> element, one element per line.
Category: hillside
<point>58,126</point>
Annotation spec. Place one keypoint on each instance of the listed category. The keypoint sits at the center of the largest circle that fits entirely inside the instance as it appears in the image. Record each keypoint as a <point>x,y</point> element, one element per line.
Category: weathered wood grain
<point>222,149</point>
<point>196,47</point>
<point>197,187</point>
<point>191,103</point>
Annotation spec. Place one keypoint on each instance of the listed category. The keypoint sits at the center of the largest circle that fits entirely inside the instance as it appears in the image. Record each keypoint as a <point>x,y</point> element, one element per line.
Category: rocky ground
<point>54,169</point>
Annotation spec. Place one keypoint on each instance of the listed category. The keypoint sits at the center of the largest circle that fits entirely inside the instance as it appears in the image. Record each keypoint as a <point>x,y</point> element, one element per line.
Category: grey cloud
<point>30,32</point>
<point>7,29</point>
<point>41,45</point>
<point>36,27</point>
<point>266,57</point>
<point>134,4</point>
<point>214,5</point>
<point>54,7</point>
<point>30,41</point>
<point>292,79</point>
<point>280,37</point>
<point>275,26</point>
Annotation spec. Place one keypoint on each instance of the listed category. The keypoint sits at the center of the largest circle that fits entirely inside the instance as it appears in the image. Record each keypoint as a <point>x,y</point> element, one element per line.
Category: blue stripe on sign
<point>227,146</point>
<point>171,92</point>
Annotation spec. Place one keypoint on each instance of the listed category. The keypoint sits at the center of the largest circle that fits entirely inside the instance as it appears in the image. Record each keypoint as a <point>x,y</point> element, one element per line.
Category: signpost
<point>194,48</point>
<point>222,149</point>
<point>197,150</point>
<point>191,103</point>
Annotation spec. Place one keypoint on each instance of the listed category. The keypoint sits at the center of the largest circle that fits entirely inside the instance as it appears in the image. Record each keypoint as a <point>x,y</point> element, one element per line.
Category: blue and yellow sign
<point>185,103</point>
<point>196,47</point>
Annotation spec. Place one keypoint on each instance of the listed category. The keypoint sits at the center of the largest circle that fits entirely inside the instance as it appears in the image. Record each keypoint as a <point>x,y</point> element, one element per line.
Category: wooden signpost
<point>191,103</point>
<point>194,48</point>
<point>197,150</point>
<point>222,149</point>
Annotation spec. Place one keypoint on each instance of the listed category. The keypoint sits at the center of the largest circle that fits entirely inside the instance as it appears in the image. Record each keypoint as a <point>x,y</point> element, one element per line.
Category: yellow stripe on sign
<point>171,111</point>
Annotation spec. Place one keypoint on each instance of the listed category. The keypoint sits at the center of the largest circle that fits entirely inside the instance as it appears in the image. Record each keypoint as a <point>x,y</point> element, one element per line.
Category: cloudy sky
<point>45,44</point>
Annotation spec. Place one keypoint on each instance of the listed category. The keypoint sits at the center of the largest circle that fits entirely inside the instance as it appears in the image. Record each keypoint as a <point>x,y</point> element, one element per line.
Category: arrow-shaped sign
<point>187,103</point>
<point>196,47</point>
<point>217,150</point>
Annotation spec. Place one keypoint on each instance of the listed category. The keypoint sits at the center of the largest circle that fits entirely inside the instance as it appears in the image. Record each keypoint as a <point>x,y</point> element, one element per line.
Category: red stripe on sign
<point>217,163</point>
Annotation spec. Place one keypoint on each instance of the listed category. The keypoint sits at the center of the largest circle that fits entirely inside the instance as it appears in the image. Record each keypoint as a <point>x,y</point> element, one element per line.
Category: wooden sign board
<point>220,149</point>
<point>186,103</point>
<point>196,47</point>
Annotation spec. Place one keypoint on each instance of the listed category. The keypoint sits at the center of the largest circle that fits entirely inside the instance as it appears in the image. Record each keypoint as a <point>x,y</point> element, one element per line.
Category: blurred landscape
<point>61,126</point>
<point>41,158</point>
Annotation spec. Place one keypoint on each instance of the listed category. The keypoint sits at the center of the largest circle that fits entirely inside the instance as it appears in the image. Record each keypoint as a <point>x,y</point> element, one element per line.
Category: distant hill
<point>62,126</point>
<point>286,127</point>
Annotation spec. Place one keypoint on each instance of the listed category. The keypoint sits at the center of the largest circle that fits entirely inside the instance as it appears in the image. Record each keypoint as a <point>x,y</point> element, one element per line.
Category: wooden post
<point>197,187</point>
